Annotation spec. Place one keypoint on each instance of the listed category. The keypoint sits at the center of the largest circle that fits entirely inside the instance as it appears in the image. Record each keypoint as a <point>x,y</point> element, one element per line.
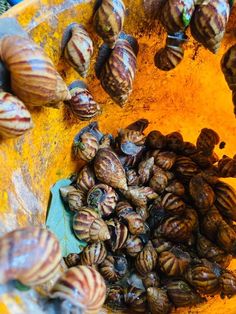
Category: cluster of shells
<point>157,219</point>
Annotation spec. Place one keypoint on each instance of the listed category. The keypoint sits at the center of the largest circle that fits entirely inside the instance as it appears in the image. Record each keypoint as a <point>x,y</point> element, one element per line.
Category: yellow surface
<point>193,96</point>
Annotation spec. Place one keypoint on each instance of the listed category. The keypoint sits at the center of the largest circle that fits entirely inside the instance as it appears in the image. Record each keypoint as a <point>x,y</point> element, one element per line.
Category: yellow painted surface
<point>193,96</point>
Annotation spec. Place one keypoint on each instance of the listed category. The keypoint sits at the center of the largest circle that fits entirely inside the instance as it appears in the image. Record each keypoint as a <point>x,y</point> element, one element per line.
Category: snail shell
<point>209,22</point>
<point>133,245</point>
<point>139,125</point>
<point>83,287</point>
<point>113,268</point>
<point>139,195</point>
<point>38,247</point>
<point>64,191</point>
<point>203,160</point>
<point>135,222</point>
<point>145,169</point>
<point>103,199</point>
<point>225,200</point>
<point>181,294</point>
<point>129,161</point>
<point>72,260</point>
<point>174,262</point>
<point>86,146</point>
<point>173,204</point>
<point>118,233</point>
<point>82,103</point>
<point>158,301</point>
<point>226,237</point>
<point>151,280</point>
<point>159,180</point>
<point>161,245</point>
<point>108,20</point>
<point>136,300</point>
<point>156,140</point>
<point>130,141</point>
<point>168,58</point>
<point>210,223</point>
<point>165,160</point>
<point>15,119</point>
<point>76,199</point>
<point>89,227</point>
<point>185,168</point>
<point>86,179</point>
<point>174,141</point>
<point>146,260</point>
<point>132,177</point>
<point>79,49</point>
<point>115,298</point>
<point>109,170</point>
<point>176,188</point>
<point>93,254</point>
<point>228,283</point>
<point>207,140</point>
<point>227,167</point>
<point>33,77</point>
<point>187,148</point>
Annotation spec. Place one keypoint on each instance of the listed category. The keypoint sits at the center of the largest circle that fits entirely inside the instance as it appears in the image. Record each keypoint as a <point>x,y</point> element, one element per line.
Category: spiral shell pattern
<point>225,200</point>
<point>83,286</point>
<point>86,147</point>
<point>31,255</point>
<point>227,167</point>
<point>173,204</point>
<point>228,283</point>
<point>146,260</point>
<point>15,119</point>
<point>176,188</point>
<point>185,168</point>
<point>168,58</point>
<point>158,301</point>
<point>201,192</point>
<point>93,254</point>
<point>207,140</point>
<point>136,299</point>
<point>133,245</point>
<point>86,179</point>
<point>229,68</point>
<point>118,233</point>
<point>113,268</point>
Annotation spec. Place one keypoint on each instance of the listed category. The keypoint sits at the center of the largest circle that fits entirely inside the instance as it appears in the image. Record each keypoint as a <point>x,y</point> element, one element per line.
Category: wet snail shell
<point>210,223</point>
<point>39,247</point>
<point>64,191</point>
<point>79,49</point>
<point>165,160</point>
<point>15,119</point>
<point>139,195</point>
<point>115,298</point>
<point>227,167</point>
<point>159,180</point>
<point>185,168</point>
<point>136,299</point>
<point>225,200</point>
<point>89,227</point>
<point>174,141</point>
<point>158,301</point>
<point>155,140</point>
<point>226,237</point>
<point>113,268</point>
<point>132,177</point>
<point>76,199</point>
<point>118,234</point>
<point>72,260</point>
<point>93,254</point>
<point>139,125</point>
<point>83,287</point>
<point>130,141</point>
<point>168,58</point>
<point>203,160</point>
<point>151,280</point>
<point>173,204</point>
<point>207,140</point>
<point>146,260</point>
<point>109,170</point>
<point>161,245</point>
<point>145,168</point>
<point>103,199</point>
<point>228,284</point>
<point>133,245</point>
<point>85,146</point>
<point>108,20</point>
<point>85,179</point>
<point>176,188</point>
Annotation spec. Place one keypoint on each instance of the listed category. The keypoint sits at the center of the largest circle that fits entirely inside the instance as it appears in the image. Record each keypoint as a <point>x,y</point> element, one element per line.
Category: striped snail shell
<point>176,15</point>
<point>65,190</point>
<point>109,170</point>
<point>158,301</point>
<point>156,140</point>
<point>173,204</point>
<point>227,167</point>
<point>85,146</point>
<point>113,268</point>
<point>89,227</point>
<point>93,254</point>
<point>130,141</point>
<point>136,300</point>
<point>117,71</point>
<point>174,141</point>
<point>207,140</point>
<point>76,199</point>
<point>135,222</point>
<point>108,20</point>
<point>15,119</point>
<point>168,58</point>
<point>225,200</point>
<point>72,260</point>
<point>83,287</point>
<point>31,255</point>
<point>226,237</point>
<point>159,180</point>
<point>176,188</point>
<point>151,280</point>
<point>118,234</point>
<point>228,283</point>
<point>103,199</point>
<point>210,223</point>
<point>79,48</point>
<point>185,168</point>
<point>82,103</point>
<point>139,195</point>
<point>146,260</point>
<point>209,22</point>
<point>132,177</point>
<point>204,161</point>
<point>165,160</point>
<point>86,179</point>
<point>33,77</point>
<point>115,298</point>
<point>133,245</point>
<point>138,125</point>
<point>145,169</point>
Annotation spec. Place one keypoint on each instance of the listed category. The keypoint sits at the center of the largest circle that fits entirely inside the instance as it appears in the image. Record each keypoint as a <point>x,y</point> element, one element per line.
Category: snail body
<point>228,283</point>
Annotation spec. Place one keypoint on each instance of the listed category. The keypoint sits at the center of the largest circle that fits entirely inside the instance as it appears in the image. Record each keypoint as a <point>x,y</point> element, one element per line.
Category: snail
<point>176,188</point>
<point>181,294</point>
<point>132,177</point>
<point>207,140</point>
<point>138,125</point>
<point>161,245</point>
<point>146,260</point>
<point>135,223</point>
<point>136,299</point>
<point>139,196</point>
<point>113,268</point>
<point>89,227</point>
<point>159,180</point>
<point>210,223</point>
<point>185,168</point>
<point>155,140</point>
<point>115,298</point>
<point>165,160</point>
<point>187,148</point>
<point>65,190</point>
<point>34,79</point>
<point>133,245</point>
<point>116,72</point>
<point>118,233</point>
<point>82,289</point>
<point>31,255</point>
<point>174,141</point>
<point>151,280</point>
<point>225,200</point>
<point>208,23</point>
<point>103,199</point>
<point>228,283</point>
<point>226,237</point>
<point>82,103</point>
<point>15,119</point>
<point>158,301</point>
<point>85,146</point>
<point>227,167</point>
<point>129,161</point>
<point>94,254</point>
<point>204,161</point>
<point>109,170</point>
<point>145,169</point>
<point>76,199</point>
<point>85,179</point>
<point>173,204</point>
<point>130,141</point>
<point>79,48</point>
<point>71,260</point>
<point>108,20</point>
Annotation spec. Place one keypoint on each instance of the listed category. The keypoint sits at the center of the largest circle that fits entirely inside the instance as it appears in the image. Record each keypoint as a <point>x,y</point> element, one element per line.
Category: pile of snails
<point>157,219</point>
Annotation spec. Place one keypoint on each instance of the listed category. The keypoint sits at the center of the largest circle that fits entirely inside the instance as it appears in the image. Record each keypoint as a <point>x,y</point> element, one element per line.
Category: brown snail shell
<point>161,245</point>
<point>79,49</point>
<point>185,168</point>
<point>174,262</point>
<point>76,199</point>
<point>156,140</point>
<point>210,223</point>
<point>228,283</point>
<point>86,179</point>
<point>176,188</point>
<point>174,141</point>
<point>64,191</point>
<point>72,260</point>
<point>133,245</point>
<point>115,298</point>
<point>181,294</point>
<point>203,160</point>
<point>129,161</point>
<point>135,222</point>
<point>139,195</point>
<point>15,119</point>
<point>86,146</point>
<point>83,287</point>
<point>82,103</point>
<point>103,199</point>
<point>208,23</point>
<point>39,247</point>
<point>158,301</point>
<point>145,168</point>
<point>136,300</point>
<point>207,140</point>
<point>191,218</point>
<point>201,192</point>
<point>168,58</point>
<point>225,200</point>
<point>34,79</point>
<point>227,167</point>
<point>146,260</point>
<point>139,125</point>
<point>113,268</point>
<point>130,141</point>
<point>132,177</point>
<point>93,254</point>
<point>165,160</point>
<point>159,180</point>
<point>109,170</point>
<point>143,212</point>
<point>187,149</point>
<point>118,233</point>
<point>173,204</point>
<point>151,280</point>
<point>108,20</point>
<point>226,237</point>
<point>89,227</point>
